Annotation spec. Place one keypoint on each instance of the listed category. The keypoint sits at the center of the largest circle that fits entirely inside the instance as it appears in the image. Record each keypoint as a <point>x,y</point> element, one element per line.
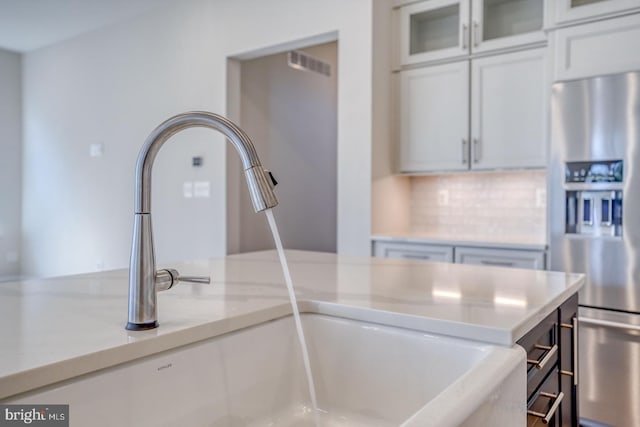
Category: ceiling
<point>26,25</point>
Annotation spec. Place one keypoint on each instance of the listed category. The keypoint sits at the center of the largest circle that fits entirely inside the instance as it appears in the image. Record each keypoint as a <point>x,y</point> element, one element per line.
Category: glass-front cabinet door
<point>434,29</point>
<point>437,29</point>
<point>579,10</point>
<point>498,24</point>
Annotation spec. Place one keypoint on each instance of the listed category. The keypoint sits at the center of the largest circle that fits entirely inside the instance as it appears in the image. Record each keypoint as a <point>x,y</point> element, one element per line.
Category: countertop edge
<point>528,324</point>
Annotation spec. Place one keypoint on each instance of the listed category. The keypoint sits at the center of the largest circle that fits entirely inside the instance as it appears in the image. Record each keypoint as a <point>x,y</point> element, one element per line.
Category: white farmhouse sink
<point>365,374</point>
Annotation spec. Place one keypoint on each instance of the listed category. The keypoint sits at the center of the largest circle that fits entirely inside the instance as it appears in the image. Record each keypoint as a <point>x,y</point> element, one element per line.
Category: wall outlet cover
<point>443,198</point>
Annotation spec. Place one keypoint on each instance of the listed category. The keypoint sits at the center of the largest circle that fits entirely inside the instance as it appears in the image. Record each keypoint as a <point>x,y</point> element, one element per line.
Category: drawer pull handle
<point>552,411</point>
<point>540,364</point>
<point>497,263</point>
<point>411,256</point>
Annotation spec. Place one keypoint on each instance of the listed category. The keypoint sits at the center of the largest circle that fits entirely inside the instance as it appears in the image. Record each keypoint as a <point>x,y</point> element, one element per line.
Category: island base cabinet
<point>552,357</point>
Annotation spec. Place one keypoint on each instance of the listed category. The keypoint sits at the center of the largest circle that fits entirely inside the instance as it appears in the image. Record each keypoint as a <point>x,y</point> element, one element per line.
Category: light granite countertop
<point>58,328</point>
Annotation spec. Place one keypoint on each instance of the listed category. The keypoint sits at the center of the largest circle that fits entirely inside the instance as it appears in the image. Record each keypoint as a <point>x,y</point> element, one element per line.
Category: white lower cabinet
<point>500,257</point>
<point>418,251</point>
<point>497,257</point>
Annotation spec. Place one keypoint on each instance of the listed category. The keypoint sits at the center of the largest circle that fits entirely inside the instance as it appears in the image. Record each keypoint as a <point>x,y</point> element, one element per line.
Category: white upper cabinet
<point>608,46</point>
<point>499,24</point>
<point>508,110</point>
<point>434,118</point>
<point>569,11</point>
<point>432,30</point>
<point>508,105</point>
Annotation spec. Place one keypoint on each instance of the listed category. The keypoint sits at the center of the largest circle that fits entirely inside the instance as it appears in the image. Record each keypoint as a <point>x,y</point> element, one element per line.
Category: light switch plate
<point>96,150</point>
<point>202,189</point>
<point>187,189</point>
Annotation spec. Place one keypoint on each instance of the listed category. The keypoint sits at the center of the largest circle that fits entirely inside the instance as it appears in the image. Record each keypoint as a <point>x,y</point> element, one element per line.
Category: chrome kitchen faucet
<point>144,280</point>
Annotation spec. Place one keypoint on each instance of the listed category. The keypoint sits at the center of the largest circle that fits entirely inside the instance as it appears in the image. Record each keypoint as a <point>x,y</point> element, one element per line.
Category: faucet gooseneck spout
<point>144,280</point>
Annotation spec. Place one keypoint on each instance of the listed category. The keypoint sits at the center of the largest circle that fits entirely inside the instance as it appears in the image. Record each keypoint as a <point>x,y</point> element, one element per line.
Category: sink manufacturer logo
<point>34,415</point>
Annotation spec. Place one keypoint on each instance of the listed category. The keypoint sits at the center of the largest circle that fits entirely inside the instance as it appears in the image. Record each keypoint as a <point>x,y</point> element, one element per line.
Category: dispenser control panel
<point>594,198</point>
<point>594,171</point>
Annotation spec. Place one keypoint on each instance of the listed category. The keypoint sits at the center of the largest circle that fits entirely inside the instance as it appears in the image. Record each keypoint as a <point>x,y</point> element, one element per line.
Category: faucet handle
<point>169,277</point>
<point>194,279</point>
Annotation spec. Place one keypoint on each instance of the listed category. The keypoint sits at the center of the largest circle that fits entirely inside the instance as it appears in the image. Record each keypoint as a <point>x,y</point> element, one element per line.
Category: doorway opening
<point>287,103</point>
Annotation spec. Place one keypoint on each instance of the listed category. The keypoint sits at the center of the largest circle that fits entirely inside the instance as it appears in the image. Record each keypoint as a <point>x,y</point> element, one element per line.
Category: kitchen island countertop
<point>59,328</point>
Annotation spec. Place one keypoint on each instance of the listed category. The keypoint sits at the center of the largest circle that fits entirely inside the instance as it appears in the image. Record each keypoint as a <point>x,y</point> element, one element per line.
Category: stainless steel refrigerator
<point>594,182</point>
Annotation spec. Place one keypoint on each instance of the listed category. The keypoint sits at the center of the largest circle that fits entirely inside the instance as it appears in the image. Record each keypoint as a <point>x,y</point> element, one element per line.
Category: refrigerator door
<point>598,119</point>
<point>609,369</point>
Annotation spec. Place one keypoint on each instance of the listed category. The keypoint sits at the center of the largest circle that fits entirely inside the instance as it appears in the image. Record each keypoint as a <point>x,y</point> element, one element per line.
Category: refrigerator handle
<point>608,324</point>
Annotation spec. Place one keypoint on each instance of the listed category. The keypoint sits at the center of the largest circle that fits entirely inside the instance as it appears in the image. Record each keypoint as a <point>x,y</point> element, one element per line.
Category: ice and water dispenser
<point>594,198</point>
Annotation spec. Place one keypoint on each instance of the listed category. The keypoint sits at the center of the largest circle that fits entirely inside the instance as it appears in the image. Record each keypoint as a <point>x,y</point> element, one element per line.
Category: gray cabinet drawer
<point>501,257</point>
<point>415,251</point>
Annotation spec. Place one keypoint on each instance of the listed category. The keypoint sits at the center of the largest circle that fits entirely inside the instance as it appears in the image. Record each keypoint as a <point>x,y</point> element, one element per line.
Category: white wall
<point>10,162</point>
<point>114,85</point>
<point>291,116</point>
<point>390,198</point>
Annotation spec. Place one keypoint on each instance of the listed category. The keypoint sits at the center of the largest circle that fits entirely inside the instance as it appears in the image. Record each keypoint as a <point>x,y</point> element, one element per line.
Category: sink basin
<point>366,375</point>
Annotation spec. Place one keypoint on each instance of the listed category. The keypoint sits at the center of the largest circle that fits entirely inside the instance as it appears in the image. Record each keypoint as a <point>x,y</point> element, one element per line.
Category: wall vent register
<point>302,61</point>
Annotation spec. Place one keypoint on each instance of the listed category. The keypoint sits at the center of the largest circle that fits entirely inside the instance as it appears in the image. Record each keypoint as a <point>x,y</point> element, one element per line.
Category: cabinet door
<point>578,10</point>
<point>414,251</point>
<point>434,118</point>
<point>500,257</point>
<point>434,29</point>
<point>604,47</point>
<point>508,111</point>
<point>498,24</point>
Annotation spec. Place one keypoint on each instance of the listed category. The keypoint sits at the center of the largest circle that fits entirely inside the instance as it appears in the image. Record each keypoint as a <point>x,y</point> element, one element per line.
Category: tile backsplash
<point>498,204</point>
